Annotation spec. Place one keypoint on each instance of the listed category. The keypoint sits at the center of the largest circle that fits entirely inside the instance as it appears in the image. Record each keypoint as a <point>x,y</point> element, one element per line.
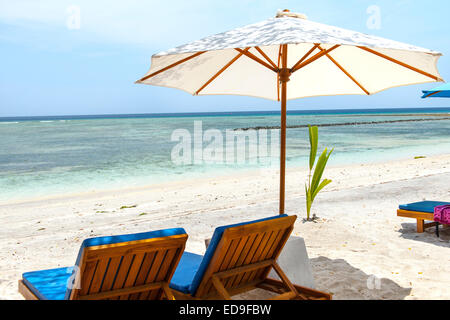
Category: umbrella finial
<point>287,13</point>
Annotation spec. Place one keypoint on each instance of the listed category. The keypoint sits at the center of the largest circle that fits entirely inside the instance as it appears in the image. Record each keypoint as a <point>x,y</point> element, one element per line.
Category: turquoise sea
<point>44,156</point>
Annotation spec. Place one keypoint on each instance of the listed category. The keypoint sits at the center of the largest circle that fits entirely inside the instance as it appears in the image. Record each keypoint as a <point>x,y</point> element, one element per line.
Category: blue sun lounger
<point>422,211</point>
<point>133,266</point>
<point>239,259</point>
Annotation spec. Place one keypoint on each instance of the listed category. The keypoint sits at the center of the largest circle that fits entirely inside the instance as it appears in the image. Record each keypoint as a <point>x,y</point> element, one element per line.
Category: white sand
<point>358,235</point>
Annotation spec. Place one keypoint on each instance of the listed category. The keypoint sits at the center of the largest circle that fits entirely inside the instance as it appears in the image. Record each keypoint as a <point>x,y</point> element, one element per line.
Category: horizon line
<point>212,113</point>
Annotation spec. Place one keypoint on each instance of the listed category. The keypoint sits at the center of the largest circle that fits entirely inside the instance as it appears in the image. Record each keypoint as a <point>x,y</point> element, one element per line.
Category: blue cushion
<point>422,206</point>
<point>48,284</point>
<point>185,272</point>
<point>197,278</point>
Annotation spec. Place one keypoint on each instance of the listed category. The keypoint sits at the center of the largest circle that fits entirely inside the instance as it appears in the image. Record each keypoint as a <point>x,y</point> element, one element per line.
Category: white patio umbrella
<point>290,57</point>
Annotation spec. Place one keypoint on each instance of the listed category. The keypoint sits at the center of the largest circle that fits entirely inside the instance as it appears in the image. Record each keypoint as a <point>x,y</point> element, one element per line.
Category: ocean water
<point>45,156</point>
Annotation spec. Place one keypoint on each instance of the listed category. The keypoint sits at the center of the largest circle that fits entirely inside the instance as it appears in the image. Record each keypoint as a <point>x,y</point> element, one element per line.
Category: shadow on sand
<point>344,281</point>
<point>408,231</point>
<point>347,282</point>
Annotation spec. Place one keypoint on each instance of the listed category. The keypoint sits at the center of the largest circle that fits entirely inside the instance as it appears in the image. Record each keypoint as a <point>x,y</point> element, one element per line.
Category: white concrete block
<point>295,263</point>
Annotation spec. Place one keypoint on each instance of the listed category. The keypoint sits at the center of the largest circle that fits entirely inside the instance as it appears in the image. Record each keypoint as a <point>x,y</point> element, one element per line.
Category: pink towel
<point>442,214</point>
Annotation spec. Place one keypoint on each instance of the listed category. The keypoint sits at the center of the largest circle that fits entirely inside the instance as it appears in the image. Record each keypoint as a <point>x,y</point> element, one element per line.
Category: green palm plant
<point>314,184</point>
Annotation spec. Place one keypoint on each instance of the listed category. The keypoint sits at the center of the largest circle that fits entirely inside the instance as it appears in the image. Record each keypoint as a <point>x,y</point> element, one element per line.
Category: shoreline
<point>204,177</point>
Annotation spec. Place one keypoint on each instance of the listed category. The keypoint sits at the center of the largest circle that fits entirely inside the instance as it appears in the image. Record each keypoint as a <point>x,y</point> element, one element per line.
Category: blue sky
<point>50,69</point>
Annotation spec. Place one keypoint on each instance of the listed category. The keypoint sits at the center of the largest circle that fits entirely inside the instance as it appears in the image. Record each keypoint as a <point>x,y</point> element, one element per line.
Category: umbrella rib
<point>172,65</point>
<point>305,56</point>
<point>314,58</point>
<point>266,57</point>
<point>344,71</point>
<point>221,70</point>
<point>255,58</point>
<point>400,63</point>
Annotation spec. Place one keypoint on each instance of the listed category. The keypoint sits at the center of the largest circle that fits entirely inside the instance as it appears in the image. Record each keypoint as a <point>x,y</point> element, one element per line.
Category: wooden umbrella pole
<point>284,74</point>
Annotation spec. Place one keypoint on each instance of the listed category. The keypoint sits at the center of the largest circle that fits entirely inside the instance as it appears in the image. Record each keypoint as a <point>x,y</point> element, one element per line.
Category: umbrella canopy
<point>244,61</point>
<point>289,57</point>
<point>439,92</point>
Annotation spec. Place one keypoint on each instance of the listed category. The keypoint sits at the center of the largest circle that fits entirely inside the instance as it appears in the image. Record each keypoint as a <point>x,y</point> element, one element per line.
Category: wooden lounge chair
<point>133,266</point>
<point>422,211</point>
<point>239,259</point>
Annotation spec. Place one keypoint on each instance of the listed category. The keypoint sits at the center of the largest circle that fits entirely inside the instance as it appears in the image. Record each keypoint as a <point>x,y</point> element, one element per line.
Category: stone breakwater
<point>340,124</point>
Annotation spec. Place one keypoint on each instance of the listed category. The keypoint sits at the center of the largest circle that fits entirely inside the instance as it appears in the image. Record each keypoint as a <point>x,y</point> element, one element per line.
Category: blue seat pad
<point>52,284</point>
<point>48,284</point>
<point>190,270</point>
<point>185,272</point>
<point>422,206</point>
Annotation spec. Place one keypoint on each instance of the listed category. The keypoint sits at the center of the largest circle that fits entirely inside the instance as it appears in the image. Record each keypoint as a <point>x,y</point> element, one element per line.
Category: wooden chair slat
<point>233,280</point>
<point>146,266</point>
<point>163,273</point>
<point>237,253</point>
<point>132,273</point>
<point>245,277</point>
<point>152,275</point>
<point>99,275</point>
<point>274,245</point>
<point>122,273</point>
<point>259,255</point>
<point>111,274</point>
<point>273,236</point>
<point>229,255</point>
<point>206,284</point>
<point>276,250</point>
<point>87,275</point>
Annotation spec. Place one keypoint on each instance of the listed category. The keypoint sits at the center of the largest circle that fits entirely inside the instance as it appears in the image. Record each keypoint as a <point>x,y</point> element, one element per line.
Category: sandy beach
<point>356,236</point>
